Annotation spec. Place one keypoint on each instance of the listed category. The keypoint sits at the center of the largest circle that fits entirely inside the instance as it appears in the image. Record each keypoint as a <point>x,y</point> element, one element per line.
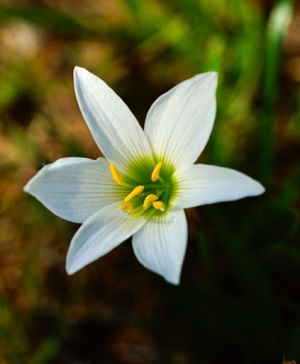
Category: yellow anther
<point>115,174</point>
<point>159,205</point>
<point>155,173</point>
<point>149,199</point>
<point>135,192</point>
<point>126,206</point>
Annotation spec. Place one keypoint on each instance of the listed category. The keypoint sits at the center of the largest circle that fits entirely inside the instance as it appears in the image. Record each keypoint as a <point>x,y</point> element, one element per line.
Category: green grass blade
<point>277,25</point>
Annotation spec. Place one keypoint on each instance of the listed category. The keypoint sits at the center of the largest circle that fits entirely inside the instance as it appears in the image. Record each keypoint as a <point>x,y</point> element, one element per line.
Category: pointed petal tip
<point>26,187</point>
<point>256,188</point>
<point>81,72</point>
<point>213,74</point>
<point>75,71</point>
<point>69,269</point>
<point>29,186</point>
<point>73,262</point>
<point>78,71</point>
<point>260,189</point>
<point>173,280</point>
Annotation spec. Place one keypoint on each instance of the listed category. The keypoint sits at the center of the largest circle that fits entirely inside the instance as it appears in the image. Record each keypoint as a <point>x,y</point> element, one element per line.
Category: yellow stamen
<point>155,173</point>
<point>159,205</point>
<point>149,199</point>
<point>135,192</point>
<point>115,174</point>
<point>126,206</point>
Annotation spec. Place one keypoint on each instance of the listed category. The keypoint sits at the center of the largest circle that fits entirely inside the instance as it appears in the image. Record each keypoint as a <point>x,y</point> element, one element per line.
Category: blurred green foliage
<point>239,297</point>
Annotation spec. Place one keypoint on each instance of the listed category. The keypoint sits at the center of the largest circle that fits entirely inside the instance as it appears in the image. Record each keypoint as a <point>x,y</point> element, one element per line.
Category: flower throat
<point>148,192</point>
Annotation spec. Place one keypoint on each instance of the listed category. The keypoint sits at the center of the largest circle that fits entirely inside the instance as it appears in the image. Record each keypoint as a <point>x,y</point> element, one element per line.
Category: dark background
<point>238,301</point>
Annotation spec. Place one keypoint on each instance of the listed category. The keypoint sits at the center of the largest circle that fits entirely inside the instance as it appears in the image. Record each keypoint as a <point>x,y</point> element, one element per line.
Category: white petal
<point>161,244</point>
<point>74,188</point>
<point>179,122</point>
<point>113,126</point>
<point>100,234</point>
<point>203,184</point>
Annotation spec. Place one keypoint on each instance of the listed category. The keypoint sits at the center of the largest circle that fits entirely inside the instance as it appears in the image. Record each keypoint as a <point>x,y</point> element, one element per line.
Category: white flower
<point>145,180</point>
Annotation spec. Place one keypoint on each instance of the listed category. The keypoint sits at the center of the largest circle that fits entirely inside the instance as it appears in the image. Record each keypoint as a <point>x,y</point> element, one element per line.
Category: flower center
<point>147,189</point>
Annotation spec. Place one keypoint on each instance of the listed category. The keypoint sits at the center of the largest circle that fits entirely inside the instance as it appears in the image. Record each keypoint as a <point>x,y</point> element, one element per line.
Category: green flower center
<point>148,188</point>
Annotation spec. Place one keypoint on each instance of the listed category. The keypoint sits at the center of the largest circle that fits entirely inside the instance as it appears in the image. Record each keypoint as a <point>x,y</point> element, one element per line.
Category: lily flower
<point>147,178</point>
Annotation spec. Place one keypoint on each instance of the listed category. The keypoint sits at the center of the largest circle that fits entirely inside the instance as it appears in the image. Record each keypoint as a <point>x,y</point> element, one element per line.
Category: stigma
<point>159,205</point>
<point>150,198</point>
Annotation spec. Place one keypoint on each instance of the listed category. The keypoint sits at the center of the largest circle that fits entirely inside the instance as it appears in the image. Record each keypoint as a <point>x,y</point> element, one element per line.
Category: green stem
<point>276,27</point>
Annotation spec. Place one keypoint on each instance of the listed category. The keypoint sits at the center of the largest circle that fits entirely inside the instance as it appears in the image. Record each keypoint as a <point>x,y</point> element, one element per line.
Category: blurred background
<point>239,298</point>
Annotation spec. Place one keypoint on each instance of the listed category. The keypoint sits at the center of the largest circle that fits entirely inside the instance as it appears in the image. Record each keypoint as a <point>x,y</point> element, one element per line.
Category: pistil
<point>149,199</point>
<point>159,205</point>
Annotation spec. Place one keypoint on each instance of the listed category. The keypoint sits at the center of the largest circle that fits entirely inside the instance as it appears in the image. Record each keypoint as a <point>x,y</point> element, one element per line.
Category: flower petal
<point>113,126</point>
<point>179,122</point>
<point>204,184</point>
<point>74,188</point>
<point>100,234</point>
<point>161,244</point>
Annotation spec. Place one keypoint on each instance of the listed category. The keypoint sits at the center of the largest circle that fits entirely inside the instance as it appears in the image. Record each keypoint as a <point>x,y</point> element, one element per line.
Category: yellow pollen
<point>126,206</point>
<point>159,205</point>
<point>149,199</point>
<point>155,173</point>
<point>135,192</point>
<point>115,174</point>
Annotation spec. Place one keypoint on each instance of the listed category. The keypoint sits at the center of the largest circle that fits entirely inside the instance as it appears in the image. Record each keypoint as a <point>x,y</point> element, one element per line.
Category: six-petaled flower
<point>146,179</point>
